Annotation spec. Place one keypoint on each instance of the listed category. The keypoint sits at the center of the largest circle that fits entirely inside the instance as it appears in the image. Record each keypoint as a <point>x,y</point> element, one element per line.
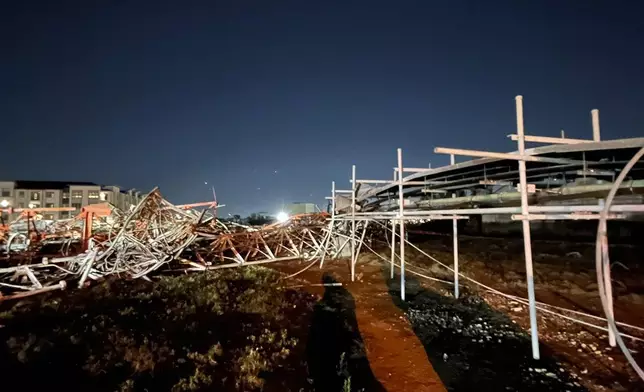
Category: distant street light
<point>4,204</point>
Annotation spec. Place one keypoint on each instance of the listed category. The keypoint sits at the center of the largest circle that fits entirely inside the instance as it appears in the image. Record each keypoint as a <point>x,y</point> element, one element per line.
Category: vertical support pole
<point>393,246</point>
<point>324,245</point>
<point>28,232</point>
<point>401,201</point>
<point>452,160</point>
<point>353,222</point>
<point>332,199</point>
<point>455,234</point>
<point>527,242</point>
<point>364,232</point>
<point>594,114</point>
<point>563,134</point>
<point>87,229</point>
<point>607,280</point>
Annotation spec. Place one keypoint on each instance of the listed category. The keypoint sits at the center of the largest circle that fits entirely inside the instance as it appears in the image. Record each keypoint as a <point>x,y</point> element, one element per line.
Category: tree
<point>258,219</point>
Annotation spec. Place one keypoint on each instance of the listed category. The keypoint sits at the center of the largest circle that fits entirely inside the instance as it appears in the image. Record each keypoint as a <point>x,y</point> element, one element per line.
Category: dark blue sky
<point>176,93</point>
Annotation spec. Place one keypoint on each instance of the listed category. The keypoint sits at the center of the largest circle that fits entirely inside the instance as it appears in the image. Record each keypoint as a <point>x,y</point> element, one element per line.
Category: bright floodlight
<point>4,203</point>
<point>282,217</point>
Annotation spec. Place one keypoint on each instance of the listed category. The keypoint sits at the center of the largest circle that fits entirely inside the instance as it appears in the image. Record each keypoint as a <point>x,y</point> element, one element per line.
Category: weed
<point>215,330</point>
<point>204,366</point>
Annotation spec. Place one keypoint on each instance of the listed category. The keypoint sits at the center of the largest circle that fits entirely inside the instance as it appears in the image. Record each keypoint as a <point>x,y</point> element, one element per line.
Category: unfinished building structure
<point>568,179</point>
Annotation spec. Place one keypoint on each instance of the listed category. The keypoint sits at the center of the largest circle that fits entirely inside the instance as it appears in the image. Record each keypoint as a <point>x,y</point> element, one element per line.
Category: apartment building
<point>300,208</point>
<point>52,194</point>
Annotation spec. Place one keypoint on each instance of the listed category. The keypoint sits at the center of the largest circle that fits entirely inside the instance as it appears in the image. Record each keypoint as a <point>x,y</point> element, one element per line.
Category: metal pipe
<point>594,114</point>
<point>455,234</point>
<point>506,210</point>
<point>602,261</point>
<point>412,169</point>
<point>214,267</point>
<point>327,238</point>
<point>548,140</point>
<point>572,216</point>
<point>374,182</point>
<point>364,232</point>
<point>401,201</point>
<point>393,246</point>
<point>406,217</point>
<point>353,222</point>
<point>60,286</point>
<point>404,182</point>
<point>607,280</point>
<point>527,243</point>
<point>502,155</point>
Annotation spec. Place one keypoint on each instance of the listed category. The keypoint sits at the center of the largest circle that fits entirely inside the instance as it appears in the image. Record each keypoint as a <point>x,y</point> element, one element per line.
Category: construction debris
<point>155,235</point>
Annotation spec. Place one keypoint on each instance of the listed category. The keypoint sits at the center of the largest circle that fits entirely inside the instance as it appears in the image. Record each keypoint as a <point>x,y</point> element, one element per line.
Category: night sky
<point>269,101</point>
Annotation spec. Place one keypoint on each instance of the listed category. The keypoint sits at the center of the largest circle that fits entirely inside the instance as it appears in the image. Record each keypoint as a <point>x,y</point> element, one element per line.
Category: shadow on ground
<point>472,347</point>
<point>335,352</point>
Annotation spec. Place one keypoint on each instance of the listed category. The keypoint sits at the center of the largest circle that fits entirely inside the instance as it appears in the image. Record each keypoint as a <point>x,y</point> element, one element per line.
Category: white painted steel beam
<point>527,242</point>
<point>594,114</point>
<point>353,222</point>
<point>573,216</point>
<point>455,248</point>
<point>503,155</point>
<point>548,140</point>
<point>402,226</point>
<point>509,210</point>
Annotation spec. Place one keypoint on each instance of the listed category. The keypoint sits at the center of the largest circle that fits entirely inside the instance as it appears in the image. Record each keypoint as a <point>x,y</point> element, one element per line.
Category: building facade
<point>55,194</point>
<point>300,208</point>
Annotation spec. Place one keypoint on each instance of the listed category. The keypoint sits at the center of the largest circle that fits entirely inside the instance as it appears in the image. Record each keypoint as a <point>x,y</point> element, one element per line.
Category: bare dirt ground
<point>565,277</point>
<point>439,343</point>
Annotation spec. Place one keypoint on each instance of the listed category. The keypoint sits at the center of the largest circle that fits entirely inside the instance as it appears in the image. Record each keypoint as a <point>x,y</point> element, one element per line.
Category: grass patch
<point>222,330</point>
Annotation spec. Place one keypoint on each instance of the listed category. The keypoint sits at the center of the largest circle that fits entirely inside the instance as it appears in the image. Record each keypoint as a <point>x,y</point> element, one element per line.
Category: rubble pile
<point>156,235</point>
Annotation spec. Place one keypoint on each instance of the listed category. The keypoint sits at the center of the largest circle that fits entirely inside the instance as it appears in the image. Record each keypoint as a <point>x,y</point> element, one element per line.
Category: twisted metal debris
<point>158,235</point>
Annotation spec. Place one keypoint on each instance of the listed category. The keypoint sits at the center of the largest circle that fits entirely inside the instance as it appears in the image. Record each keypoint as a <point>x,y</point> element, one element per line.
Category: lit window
<point>49,205</point>
<point>103,196</point>
<point>77,194</point>
<point>35,195</point>
<point>49,195</point>
<point>93,194</point>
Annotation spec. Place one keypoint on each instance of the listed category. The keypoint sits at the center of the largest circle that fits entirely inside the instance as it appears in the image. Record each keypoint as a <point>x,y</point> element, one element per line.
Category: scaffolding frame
<point>525,213</point>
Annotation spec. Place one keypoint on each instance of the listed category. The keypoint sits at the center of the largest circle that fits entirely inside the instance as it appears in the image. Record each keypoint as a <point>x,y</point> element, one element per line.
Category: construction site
<point>500,271</point>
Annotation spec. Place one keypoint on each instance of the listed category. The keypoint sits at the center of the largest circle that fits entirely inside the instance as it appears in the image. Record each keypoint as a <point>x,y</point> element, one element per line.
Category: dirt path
<point>432,342</point>
<point>396,356</point>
